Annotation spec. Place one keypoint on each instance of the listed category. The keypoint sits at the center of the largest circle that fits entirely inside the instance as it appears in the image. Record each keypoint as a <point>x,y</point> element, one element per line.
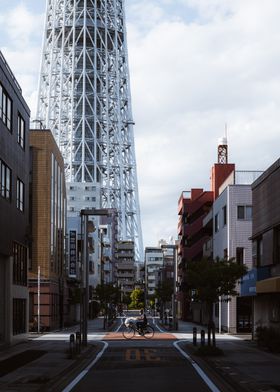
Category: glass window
<point>5,108</point>
<point>225,215</point>
<point>216,223</point>
<point>5,180</point>
<point>20,195</point>
<point>244,212</point>
<point>1,100</point>
<point>19,316</point>
<point>248,212</point>
<point>240,255</point>
<point>21,132</point>
<point>9,113</point>
<point>240,212</point>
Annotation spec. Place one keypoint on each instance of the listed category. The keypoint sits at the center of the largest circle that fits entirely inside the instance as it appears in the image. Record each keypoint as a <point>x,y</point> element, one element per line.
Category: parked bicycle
<point>130,329</point>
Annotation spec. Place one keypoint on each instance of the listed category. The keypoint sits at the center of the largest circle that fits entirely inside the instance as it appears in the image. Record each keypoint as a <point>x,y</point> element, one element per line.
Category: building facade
<point>193,206</point>
<point>14,208</point>
<point>266,247</point>
<point>153,266</point>
<point>232,228</point>
<point>48,222</point>
<point>125,270</point>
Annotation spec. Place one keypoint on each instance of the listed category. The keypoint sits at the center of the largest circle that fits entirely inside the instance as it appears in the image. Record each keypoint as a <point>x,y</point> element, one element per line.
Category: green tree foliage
<point>209,280</point>
<point>137,299</point>
<point>107,294</point>
<point>164,291</point>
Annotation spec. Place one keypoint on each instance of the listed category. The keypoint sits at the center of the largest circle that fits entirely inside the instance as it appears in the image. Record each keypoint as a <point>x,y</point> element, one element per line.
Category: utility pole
<point>39,299</point>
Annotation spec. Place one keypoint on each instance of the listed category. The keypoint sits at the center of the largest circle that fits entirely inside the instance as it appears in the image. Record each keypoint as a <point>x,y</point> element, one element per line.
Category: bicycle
<point>130,329</point>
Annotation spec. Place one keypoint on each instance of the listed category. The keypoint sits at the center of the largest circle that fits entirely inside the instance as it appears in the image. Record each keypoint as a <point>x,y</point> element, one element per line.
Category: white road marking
<point>86,370</point>
<point>160,330</point>
<point>204,377</point>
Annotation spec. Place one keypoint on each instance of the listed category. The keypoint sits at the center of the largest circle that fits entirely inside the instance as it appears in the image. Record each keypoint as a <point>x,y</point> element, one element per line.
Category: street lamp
<point>85,262</point>
<point>174,307</point>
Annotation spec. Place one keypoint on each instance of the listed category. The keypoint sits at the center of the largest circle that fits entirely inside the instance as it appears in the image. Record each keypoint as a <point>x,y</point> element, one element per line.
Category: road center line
<point>201,373</point>
<point>86,370</point>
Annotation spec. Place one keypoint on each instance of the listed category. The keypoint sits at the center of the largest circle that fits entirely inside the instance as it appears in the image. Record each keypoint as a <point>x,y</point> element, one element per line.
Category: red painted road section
<point>157,336</point>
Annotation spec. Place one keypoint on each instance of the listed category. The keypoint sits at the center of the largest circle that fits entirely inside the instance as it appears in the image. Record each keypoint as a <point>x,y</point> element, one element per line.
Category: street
<point>140,364</point>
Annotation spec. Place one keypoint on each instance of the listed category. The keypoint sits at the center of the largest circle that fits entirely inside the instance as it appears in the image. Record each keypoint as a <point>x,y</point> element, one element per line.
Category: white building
<point>232,228</point>
<point>153,264</point>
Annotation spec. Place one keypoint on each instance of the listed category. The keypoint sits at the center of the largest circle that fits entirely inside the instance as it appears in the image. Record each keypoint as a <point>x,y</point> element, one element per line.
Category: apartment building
<point>265,275</point>
<point>48,217</point>
<point>14,208</point>
<point>153,265</point>
<point>125,270</point>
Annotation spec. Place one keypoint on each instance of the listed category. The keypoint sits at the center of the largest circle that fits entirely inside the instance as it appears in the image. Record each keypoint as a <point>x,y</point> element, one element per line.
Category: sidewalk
<point>43,362</point>
<point>244,366</point>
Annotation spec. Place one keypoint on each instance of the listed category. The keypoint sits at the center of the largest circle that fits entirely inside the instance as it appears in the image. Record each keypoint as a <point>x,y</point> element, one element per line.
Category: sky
<point>195,65</point>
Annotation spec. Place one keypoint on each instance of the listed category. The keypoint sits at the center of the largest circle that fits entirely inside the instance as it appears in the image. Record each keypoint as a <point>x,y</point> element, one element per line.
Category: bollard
<point>78,342</point>
<point>72,345</point>
<point>194,336</point>
<point>170,322</point>
<point>202,334</point>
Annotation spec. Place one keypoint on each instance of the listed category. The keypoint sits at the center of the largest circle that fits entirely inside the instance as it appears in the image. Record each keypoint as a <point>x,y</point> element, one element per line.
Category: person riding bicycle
<point>142,321</point>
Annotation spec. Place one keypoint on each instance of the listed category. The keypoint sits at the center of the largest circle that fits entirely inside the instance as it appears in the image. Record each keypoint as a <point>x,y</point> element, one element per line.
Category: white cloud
<point>194,65</point>
<point>188,79</point>
<point>22,46</point>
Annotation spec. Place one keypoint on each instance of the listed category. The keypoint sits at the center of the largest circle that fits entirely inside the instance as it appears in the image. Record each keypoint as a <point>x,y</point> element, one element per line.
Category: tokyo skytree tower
<point>84,98</point>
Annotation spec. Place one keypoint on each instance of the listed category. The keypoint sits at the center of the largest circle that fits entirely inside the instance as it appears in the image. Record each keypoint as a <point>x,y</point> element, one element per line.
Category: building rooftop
<point>267,173</point>
<point>10,72</point>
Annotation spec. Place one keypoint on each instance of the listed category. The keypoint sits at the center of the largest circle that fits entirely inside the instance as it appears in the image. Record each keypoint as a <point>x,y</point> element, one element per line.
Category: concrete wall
<point>234,234</point>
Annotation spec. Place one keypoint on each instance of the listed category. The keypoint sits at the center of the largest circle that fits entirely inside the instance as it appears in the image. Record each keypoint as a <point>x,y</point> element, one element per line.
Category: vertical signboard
<point>72,253</point>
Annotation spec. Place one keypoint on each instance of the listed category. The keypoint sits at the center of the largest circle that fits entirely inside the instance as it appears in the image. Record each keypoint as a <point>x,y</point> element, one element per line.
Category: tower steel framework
<point>84,98</point>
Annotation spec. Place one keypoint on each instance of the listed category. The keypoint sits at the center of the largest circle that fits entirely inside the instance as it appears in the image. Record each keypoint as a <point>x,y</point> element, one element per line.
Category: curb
<point>69,373</point>
<point>222,380</point>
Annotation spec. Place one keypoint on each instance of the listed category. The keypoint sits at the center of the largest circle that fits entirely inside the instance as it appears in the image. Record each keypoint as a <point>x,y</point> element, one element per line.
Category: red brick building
<point>193,206</point>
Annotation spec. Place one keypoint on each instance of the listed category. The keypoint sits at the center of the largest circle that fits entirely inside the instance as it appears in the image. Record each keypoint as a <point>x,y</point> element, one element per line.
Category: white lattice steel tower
<point>84,98</point>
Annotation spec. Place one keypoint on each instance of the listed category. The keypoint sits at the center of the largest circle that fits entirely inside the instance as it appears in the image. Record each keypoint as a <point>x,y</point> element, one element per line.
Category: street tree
<point>137,299</point>
<point>164,293</point>
<point>210,280</point>
<point>109,296</point>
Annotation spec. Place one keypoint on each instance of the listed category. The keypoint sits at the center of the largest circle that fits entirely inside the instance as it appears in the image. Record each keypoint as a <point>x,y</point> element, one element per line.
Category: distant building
<point>14,208</point>
<point>193,206</point>
<point>153,265</point>
<point>266,248</point>
<point>48,203</point>
<point>125,270</point>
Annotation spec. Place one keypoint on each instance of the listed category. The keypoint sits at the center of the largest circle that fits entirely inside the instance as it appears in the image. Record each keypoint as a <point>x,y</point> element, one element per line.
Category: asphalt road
<point>140,365</point>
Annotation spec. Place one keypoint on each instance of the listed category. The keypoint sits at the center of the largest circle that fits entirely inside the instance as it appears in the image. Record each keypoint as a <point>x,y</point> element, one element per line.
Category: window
<point>225,215</point>
<point>216,223</point>
<point>240,256</point>
<point>244,212</point>
<point>225,254</point>
<point>20,195</point>
<point>19,264</point>
<point>21,132</point>
<point>5,108</point>
<point>5,180</point>
<point>276,245</point>
<point>19,316</point>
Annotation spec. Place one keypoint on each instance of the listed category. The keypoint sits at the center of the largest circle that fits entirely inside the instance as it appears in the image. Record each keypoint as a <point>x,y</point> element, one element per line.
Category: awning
<point>271,285</point>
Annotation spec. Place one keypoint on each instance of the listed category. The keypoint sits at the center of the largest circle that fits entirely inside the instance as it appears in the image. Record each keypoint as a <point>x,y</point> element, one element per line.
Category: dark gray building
<point>266,247</point>
<point>14,201</point>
